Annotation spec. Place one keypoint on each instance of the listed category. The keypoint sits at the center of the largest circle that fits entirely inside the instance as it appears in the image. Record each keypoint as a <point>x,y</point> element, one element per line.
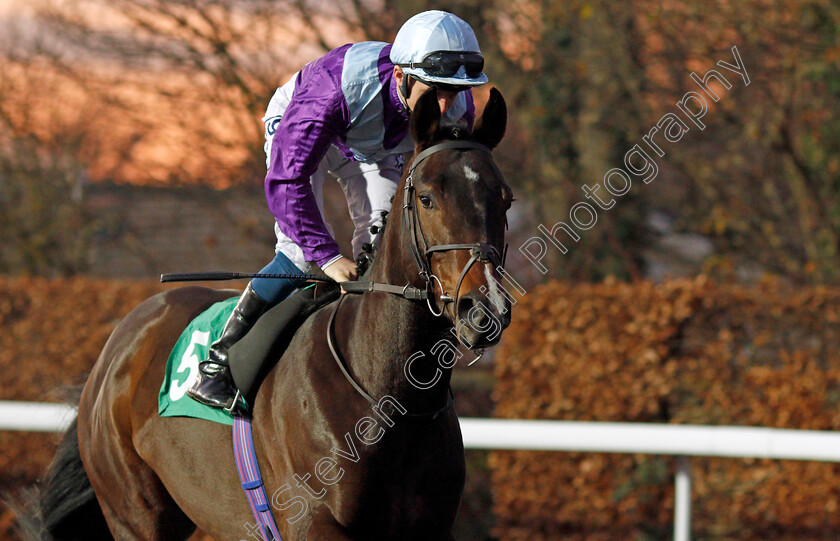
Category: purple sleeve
<point>316,115</point>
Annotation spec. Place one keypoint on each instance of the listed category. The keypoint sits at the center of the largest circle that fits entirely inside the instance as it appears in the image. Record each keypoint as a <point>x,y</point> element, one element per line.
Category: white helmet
<point>438,47</point>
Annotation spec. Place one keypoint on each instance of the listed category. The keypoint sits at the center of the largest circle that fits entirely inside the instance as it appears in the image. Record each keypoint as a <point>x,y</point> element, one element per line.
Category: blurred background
<point>131,145</point>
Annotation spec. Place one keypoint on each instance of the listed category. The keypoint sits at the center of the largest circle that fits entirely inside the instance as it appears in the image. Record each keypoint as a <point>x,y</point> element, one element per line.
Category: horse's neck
<point>383,333</point>
<point>386,330</point>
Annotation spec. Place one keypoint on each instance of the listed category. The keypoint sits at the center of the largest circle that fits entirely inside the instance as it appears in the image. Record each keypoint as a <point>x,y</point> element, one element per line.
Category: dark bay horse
<point>335,466</point>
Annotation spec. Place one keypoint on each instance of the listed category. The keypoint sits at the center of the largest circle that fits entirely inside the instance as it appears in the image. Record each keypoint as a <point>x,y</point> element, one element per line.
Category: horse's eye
<point>426,201</point>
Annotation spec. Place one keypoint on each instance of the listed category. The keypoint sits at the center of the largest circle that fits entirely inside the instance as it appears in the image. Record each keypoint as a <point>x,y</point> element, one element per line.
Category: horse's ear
<point>490,128</point>
<point>425,119</point>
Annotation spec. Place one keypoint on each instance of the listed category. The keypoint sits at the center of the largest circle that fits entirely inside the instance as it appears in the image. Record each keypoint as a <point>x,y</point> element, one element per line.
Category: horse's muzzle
<point>480,322</point>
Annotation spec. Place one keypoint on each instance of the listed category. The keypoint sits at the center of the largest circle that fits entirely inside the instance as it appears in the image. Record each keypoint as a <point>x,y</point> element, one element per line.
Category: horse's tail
<point>64,507</point>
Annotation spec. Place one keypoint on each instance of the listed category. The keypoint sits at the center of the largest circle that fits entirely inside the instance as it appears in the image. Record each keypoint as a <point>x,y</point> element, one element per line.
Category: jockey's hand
<point>342,270</point>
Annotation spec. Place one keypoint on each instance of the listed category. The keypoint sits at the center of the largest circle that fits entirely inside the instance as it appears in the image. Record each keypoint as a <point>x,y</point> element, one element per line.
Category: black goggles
<point>447,64</point>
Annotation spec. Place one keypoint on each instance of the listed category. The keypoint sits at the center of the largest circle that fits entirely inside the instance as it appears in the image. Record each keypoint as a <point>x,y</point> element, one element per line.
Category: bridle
<point>421,253</point>
<point>420,249</point>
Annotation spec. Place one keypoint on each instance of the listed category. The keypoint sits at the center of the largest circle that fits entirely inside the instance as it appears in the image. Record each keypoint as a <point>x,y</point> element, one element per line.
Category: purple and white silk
<point>346,100</point>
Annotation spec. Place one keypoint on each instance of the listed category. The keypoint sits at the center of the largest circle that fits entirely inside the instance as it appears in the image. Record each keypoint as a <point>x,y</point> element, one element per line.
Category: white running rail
<point>653,439</point>
<point>592,437</point>
<point>35,416</point>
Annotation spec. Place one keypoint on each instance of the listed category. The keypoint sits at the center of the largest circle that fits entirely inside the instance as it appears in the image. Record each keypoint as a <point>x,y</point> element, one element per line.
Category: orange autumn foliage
<point>686,351</point>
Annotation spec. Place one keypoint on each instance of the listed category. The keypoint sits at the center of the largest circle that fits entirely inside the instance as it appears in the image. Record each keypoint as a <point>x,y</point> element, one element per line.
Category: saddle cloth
<point>251,359</point>
<point>182,365</point>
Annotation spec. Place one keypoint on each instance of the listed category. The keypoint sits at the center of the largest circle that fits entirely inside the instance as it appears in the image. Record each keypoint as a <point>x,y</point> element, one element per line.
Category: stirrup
<point>235,402</point>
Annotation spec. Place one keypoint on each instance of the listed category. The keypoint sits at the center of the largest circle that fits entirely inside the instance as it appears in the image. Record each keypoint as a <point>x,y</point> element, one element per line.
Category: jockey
<point>346,115</point>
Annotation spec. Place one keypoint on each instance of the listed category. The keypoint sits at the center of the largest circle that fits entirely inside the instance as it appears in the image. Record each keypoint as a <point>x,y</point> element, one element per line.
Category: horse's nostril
<point>476,318</point>
<point>478,321</point>
<point>465,304</point>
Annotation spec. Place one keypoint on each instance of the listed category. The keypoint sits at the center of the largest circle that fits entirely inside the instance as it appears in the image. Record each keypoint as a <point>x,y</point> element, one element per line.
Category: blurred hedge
<point>51,332</point>
<point>687,351</point>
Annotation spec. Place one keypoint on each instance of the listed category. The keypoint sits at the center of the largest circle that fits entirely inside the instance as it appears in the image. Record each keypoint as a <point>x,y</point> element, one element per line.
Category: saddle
<point>253,357</point>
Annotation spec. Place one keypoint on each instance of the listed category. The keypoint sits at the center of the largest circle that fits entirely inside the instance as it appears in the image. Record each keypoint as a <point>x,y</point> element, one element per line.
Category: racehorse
<point>390,467</point>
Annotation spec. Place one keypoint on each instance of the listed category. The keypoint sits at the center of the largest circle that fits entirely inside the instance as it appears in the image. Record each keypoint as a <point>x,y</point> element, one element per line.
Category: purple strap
<point>249,475</point>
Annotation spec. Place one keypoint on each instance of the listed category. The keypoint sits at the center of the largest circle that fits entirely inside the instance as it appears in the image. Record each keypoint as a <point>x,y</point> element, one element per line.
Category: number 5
<point>189,362</point>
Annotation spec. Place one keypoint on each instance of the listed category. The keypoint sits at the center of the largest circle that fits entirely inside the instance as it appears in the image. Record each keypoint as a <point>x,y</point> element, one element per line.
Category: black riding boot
<point>215,386</point>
